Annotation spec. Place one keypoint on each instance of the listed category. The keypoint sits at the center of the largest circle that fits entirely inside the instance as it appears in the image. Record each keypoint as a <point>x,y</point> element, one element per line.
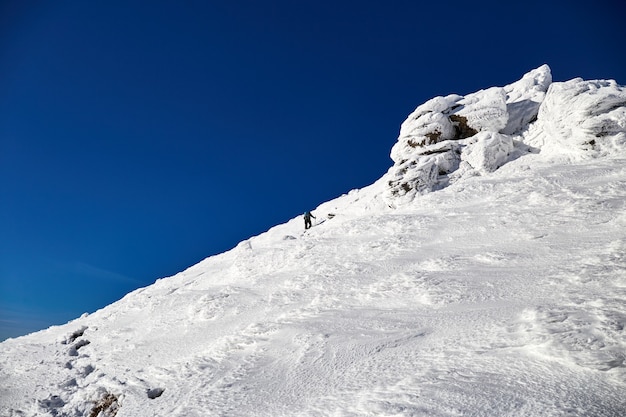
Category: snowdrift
<point>483,275</point>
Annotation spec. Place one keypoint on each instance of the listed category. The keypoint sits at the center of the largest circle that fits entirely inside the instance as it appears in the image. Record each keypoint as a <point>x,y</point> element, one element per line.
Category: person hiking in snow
<point>307,220</point>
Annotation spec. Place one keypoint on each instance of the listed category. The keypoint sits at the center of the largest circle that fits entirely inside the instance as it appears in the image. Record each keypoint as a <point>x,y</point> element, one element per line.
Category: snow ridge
<point>503,293</point>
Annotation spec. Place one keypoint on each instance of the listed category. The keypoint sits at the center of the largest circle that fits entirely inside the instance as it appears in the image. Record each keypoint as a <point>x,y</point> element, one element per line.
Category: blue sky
<point>137,138</point>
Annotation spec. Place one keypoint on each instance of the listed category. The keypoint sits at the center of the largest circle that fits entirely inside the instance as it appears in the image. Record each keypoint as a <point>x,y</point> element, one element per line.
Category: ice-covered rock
<point>434,140</point>
<point>485,110</point>
<point>487,151</point>
<point>448,138</point>
<point>581,118</point>
<point>524,97</point>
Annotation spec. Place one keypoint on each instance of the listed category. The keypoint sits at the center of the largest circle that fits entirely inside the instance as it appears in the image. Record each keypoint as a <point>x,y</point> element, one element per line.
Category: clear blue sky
<point>139,137</point>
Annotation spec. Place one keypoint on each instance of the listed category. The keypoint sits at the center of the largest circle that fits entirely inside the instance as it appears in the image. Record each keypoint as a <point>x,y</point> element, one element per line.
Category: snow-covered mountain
<point>483,275</point>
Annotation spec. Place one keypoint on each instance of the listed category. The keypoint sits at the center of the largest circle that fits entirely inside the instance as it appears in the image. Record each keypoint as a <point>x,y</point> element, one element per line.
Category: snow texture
<point>502,293</point>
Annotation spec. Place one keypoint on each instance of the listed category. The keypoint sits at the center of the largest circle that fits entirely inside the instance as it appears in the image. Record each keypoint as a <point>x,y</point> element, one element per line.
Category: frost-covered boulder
<point>452,117</point>
<point>485,110</point>
<point>449,138</point>
<point>581,118</point>
<point>461,134</point>
<point>524,97</point>
<point>487,151</point>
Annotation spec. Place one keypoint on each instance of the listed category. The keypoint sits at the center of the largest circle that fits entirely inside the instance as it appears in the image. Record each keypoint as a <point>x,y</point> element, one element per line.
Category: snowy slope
<point>483,275</point>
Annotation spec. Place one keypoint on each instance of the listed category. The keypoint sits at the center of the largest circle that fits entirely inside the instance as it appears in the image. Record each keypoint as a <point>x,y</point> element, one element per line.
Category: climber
<point>307,220</point>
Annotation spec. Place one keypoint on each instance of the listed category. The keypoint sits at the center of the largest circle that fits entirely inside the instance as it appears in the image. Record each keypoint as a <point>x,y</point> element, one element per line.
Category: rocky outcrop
<point>455,132</point>
<point>451,137</point>
<point>579,115</point>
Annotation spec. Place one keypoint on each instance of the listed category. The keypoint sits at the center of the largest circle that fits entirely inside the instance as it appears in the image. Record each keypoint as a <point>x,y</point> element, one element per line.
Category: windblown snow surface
<point>483,275</point>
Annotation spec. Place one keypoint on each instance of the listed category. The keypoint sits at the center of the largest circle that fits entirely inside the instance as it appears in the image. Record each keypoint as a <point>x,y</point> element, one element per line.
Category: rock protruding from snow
<point>451,137</point>
<point>488,150</point>
<point>466,133</point>
<point>582,118</point>
<point>524,97</point>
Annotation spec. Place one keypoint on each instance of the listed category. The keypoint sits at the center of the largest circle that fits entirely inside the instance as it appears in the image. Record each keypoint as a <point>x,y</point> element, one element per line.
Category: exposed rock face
<point>449,137</point>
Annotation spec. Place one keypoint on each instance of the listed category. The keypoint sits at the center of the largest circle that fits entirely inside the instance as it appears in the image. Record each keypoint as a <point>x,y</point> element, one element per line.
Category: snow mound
<point>453,137</point>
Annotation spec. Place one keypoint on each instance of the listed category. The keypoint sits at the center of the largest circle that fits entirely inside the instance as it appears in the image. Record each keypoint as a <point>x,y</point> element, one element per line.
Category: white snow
<point>499,289</point>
